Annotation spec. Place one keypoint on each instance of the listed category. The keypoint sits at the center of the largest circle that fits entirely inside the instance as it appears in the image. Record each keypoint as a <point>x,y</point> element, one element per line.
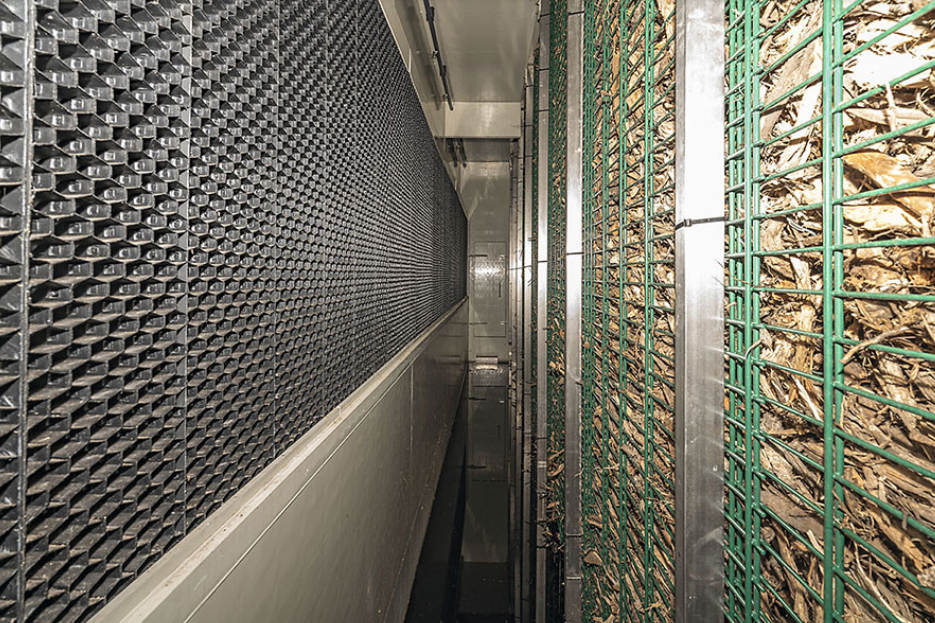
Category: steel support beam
<point>573,276</point>
<point>699,311</point>
<point>542,355</point>
<point>528,115</point>
<point>516,353</point>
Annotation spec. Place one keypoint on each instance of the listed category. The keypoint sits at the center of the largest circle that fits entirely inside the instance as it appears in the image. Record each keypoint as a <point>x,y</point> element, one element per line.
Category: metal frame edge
<point>699,311</point>
<point>573,281</point>
<point>542,370</point>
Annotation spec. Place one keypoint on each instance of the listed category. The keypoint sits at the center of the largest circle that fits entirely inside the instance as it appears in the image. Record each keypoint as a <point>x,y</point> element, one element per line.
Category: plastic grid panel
<point>199,252</point>
<point>829,418</point>
<point>14,190</point>
<point>305,116</point>
<point>233,253</point>
<point>105,413</point>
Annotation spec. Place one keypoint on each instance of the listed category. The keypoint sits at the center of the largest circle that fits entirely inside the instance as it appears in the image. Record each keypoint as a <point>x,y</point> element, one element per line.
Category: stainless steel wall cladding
<point>217,219</point>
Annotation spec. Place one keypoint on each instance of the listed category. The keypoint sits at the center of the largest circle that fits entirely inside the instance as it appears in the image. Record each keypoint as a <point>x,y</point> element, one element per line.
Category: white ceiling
<point>485,44</point>
<point>486,150</point>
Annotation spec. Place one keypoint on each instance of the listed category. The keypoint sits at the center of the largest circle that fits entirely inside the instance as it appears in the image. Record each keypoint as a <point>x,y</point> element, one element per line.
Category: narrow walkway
<point>464,569</point>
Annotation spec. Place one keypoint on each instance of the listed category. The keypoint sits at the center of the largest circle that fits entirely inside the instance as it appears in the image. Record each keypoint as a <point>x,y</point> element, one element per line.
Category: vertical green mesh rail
<point>555,333</point>
<point>739,533</point>
<point>830,434</point>
<point>627,317</point>
<point>630,110</point>
<point>659,274</point>
<point>534,243</point>
<point>593,431</point>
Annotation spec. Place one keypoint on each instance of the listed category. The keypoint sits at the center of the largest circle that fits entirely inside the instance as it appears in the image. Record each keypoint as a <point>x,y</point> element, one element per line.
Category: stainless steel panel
<point>355,551</point>
<point>699,321</point>
<point>515,412</point>
<point>485,43</point>
<point>527,362</point>
<point>486,193</point>
<point>330,516</point>
<point>489,121</point>
<point>489,288</point>
<point>486,527</point>
<point>488,433</point>
<point>573,527</point>
<point>542,369</point>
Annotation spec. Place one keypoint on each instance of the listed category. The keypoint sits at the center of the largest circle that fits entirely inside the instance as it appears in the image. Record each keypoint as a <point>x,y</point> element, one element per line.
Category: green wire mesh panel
<point>660,300</point>
<point>738,435</point>
<point>555,328</point>
<point>830,372</point>
<point>660,303</point>
<point>533,116</point>
<point>628,318</point>
<point>631,301</point>
<point>594,433</point>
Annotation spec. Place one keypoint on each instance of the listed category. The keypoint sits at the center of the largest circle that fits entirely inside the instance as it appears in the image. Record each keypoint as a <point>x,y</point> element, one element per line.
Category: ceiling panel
<point>485,44</point>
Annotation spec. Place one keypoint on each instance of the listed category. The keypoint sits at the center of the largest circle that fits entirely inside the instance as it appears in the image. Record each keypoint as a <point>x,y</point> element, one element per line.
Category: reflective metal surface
<point>542,354</point>
<point>528,335</point>
<point>486,192</point>
<point>516,354</point>
<point>330,517</point>
<point>486,43</point>
<point>484,120</point>
<point>573,263</point>
<point>699,309</point>
<point>488,289</point>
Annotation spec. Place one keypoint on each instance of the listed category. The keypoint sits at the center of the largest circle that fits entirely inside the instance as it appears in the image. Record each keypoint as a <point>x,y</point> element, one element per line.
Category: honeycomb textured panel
<point>232,256</point>
<point>304,117</point>
<point>105,413</point>
<point>14,100</point>
<point>218,218</point>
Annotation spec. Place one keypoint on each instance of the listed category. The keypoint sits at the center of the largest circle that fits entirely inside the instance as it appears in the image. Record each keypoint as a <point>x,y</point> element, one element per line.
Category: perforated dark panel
<point>217,218</point>
<point>232,250</point>
<point>306,115</point>
<point>14,176</point>
<point>105,414</point>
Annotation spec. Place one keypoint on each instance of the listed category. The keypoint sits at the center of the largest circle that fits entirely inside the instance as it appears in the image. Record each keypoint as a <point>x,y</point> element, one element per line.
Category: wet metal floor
<point>464,569</point>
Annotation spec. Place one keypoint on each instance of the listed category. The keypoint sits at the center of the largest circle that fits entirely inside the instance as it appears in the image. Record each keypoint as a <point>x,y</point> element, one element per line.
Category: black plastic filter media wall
<point>217,219</point>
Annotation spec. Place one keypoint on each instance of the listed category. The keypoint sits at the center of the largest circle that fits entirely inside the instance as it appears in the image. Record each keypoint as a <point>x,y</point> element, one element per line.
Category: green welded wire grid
<point>593,445</point>
<point>826,540</point>
<point>605,231</point>
<point>534,243</point>
<point>740,497</point>
<point>630,260</point>
<point>627,322</point>
<point>659,288</point>
<point>555,327</point>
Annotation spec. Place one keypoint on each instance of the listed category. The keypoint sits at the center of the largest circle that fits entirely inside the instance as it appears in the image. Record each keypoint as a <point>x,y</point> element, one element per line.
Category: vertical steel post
<point>573,276</point>
<point>542,355</point>
<point>528,119</point>
<point>699,311</point>
<point>516,294</point>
